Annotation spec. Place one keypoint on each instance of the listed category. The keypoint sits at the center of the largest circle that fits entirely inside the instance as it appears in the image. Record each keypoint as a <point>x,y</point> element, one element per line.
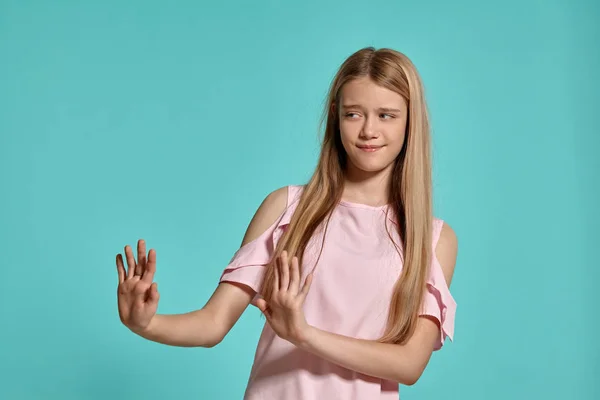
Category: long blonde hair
<point>410,188</point>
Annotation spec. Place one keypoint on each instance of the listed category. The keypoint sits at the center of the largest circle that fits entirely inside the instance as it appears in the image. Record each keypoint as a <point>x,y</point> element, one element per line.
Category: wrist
<point>307,338</point>
<point>146,331</point>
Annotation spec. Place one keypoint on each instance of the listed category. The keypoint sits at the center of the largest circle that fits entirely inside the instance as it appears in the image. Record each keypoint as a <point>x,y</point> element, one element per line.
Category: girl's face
<point>372,126</point>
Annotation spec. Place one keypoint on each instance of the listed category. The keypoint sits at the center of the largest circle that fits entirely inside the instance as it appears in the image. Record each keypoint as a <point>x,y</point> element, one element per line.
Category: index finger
<point>148,276</point>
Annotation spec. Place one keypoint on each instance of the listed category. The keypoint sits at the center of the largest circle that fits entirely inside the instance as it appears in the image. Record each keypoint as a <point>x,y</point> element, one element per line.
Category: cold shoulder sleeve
<point>247,265</point>
<point>438,301</point>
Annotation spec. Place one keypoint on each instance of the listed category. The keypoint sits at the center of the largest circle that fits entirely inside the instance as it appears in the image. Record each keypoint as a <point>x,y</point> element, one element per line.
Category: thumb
<point>262,306</point>
<point>154,292</point>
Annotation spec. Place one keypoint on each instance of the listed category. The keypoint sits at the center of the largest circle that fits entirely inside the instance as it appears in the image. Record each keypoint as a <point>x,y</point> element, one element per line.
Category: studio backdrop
<point>171,122</point>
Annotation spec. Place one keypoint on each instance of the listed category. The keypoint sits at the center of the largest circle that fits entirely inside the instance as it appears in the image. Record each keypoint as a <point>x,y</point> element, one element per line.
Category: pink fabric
<point>350,295</point>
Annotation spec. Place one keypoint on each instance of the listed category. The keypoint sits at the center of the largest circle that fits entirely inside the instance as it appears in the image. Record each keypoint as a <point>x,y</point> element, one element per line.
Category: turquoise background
<point>137,119</point>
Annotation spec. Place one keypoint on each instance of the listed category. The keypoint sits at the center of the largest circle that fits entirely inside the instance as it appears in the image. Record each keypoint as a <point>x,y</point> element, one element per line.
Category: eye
<point>389,115</point>
<point>351,114</point>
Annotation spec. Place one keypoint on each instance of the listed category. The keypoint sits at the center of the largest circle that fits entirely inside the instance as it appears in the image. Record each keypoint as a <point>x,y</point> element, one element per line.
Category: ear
<point>333,108</point>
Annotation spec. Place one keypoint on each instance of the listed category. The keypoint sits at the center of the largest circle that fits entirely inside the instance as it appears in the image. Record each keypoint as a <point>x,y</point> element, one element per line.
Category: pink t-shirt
<point>349,295</point>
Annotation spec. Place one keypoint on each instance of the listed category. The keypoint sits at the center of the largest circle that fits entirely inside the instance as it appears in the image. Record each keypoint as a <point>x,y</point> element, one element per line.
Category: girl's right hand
<point>137,295</point>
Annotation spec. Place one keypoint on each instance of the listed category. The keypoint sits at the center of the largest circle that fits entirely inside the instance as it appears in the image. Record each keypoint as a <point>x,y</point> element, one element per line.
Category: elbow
<point>410,380</point>
<point>213,331</point>
<point>214,340</point>
<point>410,371</point>
<point>409,377</point>
<point>210,344</point>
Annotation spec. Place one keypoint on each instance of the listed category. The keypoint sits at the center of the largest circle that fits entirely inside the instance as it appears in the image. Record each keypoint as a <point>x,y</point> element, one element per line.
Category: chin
<point>370,167</point>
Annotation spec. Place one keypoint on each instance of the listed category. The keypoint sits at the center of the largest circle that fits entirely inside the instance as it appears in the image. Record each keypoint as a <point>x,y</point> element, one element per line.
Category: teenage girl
<point>352,270</point>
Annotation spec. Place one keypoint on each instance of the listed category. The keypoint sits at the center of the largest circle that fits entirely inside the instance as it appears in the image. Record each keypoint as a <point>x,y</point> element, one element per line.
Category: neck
<point>371,188</point>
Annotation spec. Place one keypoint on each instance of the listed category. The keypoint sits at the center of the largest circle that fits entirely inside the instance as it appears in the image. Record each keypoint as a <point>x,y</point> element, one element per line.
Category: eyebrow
<point>385,109</point>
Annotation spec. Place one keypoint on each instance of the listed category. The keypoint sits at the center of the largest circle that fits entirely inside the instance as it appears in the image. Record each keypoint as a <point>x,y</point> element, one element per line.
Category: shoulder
<point>446,250</point>
<point>269,210</point>
<point>275,201</point>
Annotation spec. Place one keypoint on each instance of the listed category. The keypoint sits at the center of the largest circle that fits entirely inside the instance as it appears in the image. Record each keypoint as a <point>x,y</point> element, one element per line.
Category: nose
<point>369,130</point>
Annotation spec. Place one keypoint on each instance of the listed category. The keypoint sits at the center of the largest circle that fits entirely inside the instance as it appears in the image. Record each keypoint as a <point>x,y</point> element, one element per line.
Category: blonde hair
<point>410,186</point>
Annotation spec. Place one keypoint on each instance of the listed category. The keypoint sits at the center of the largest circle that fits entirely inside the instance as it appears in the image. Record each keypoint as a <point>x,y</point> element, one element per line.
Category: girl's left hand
<point>284,312</point>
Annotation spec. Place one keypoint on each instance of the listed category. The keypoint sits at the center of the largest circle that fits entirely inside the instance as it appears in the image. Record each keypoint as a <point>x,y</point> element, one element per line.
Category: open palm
<point>285,312</point>
<point>137,294</point>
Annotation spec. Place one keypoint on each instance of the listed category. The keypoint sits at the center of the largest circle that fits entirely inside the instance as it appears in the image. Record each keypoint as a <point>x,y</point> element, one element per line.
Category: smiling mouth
<point>369,149</point>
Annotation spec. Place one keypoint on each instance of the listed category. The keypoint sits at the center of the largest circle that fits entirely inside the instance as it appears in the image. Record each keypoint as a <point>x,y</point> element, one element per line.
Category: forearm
<point>393,362</point>
<point>193,329</point>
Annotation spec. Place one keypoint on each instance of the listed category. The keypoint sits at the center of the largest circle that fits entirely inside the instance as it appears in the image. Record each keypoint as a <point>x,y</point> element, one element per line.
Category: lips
<point>369,148</point>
